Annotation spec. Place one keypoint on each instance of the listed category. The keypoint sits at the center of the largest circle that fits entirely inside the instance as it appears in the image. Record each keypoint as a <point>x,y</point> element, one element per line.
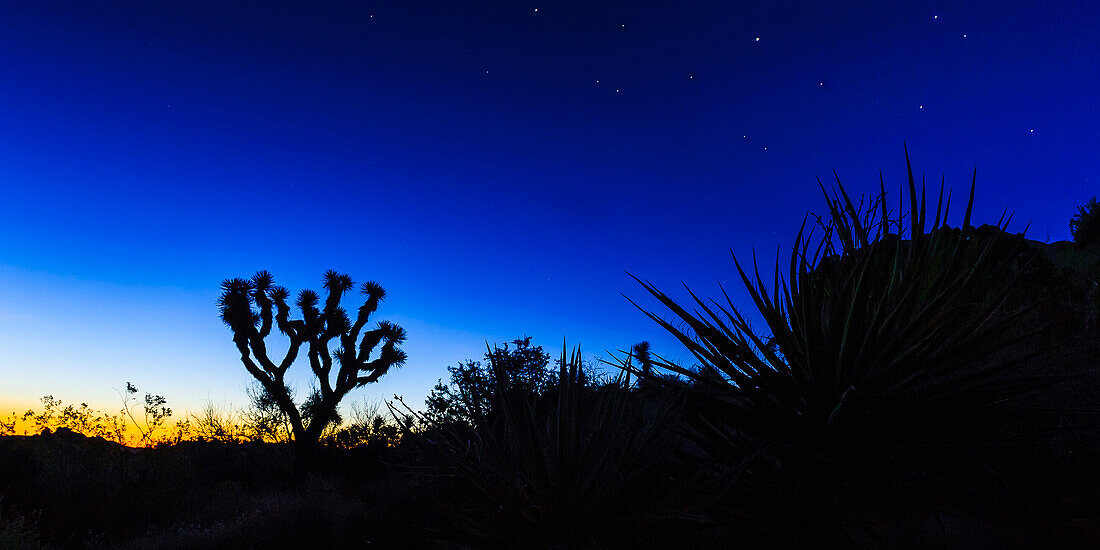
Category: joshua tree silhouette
<point>315,330</point>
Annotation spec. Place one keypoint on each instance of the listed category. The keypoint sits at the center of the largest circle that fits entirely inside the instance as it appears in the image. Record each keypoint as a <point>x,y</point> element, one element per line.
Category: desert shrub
<point>8,426</point>
<point>82,419</point>
<point>573,465</point>
<point>1085,225</point>
<point>263,420</point>
<point>214,424</point>
<point>468,399</point>
<point>155,414</point>
<point>366,427</point>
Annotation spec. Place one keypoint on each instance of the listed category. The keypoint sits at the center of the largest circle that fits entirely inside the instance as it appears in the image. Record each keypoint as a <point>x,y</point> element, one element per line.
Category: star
<point>617,90</point>
<point>820,84</point>
<point>921,107</point>
<point>536,10</point>
<point>623,26</point>
<point>757,39</point>
<point>1031,131</point>
<point>691,77</point>
<point>964,35</point>
<point>935,18</point>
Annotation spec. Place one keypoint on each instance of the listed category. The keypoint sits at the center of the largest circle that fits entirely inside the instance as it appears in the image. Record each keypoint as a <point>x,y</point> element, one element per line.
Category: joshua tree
<point>315,330</point>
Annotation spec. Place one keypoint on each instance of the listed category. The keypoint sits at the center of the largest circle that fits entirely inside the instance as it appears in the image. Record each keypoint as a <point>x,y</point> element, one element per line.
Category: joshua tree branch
<point>291,355</point>
<point>315,361</point>
<point>370,340</point>
<point>259,349</point>
<point>249,364</point>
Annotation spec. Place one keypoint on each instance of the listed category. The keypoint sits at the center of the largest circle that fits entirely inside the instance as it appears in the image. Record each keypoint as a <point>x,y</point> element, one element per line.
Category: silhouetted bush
<point>1085,225</point>
<point>561,463</point>
<point>468,399</point>
<point>367,428</point>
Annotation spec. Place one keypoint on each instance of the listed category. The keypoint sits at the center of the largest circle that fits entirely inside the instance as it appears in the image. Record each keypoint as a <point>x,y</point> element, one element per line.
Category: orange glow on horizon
<point>17,423</point>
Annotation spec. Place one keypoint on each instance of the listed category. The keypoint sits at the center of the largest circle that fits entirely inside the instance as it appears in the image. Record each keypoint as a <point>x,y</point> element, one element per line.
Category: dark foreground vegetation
<point>910,384</point>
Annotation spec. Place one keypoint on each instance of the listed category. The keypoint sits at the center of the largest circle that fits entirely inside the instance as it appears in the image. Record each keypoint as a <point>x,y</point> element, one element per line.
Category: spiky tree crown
<point>373,289</point>
<point>336,282</point>
<point>262,280</point>
<point>235,304</point>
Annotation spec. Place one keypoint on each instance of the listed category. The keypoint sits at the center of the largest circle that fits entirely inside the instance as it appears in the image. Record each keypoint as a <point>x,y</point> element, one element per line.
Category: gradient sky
<point>496,166</point>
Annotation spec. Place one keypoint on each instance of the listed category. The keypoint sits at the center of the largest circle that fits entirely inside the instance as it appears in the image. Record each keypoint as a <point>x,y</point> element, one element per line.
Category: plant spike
<point>970,203</point>
<point>939,207</point>
<point>915,232</point>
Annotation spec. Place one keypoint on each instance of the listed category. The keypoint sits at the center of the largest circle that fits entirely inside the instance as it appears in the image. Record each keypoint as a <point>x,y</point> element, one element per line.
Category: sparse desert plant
<point>1085,225</point>
<point>571,466</point>
<point>48,418</point>
<point>155,413</point>
<point>214,424</point>
<point>84,420</point>
<point>354,367</point>
<point>365,427</point>
<point>9,424</point>
<point>884,352</point>
<point>263,420</point>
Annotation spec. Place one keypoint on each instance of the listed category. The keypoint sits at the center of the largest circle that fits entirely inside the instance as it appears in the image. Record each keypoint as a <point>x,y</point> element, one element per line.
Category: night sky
<point>497,167</point>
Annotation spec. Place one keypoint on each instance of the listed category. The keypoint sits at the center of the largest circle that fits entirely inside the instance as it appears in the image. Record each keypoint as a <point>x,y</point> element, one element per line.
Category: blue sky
<point>495,168</point>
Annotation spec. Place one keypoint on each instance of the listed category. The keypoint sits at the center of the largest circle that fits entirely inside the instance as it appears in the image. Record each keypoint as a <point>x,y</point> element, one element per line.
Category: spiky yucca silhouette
<point>887,352</point>
<point>316,328</point>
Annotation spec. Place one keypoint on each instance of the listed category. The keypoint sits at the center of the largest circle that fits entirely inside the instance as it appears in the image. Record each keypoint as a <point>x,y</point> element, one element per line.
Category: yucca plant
<point>576,465</point>
<point>888,346</point>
